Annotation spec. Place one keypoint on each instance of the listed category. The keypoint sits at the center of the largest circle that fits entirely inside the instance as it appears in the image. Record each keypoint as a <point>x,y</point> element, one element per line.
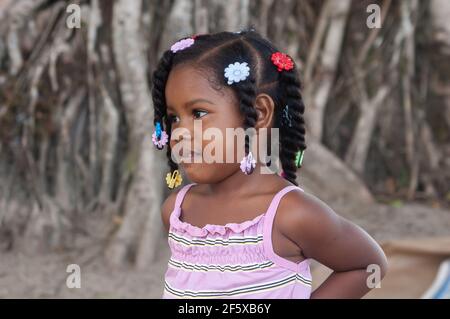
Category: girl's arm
<point>333,241</point>
<point>167,208</point>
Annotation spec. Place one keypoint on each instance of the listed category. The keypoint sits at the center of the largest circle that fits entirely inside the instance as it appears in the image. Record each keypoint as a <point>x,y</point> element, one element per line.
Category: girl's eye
<point>173,118</point>
<point>199,113</point>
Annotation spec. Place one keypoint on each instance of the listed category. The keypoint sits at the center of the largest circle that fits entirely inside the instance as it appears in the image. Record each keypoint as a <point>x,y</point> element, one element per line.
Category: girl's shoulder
<point>299,207</point>
<point>323,235</point>
<point>168,207</point>
<point>301,216</point>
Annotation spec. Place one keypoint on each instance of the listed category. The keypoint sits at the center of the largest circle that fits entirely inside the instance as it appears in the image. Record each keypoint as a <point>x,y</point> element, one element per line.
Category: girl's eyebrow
<point>194,101</point>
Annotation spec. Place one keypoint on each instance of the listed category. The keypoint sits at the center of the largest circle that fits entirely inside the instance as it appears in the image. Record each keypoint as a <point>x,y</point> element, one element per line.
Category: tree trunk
<point>316,96</point>
<point>143,199</point>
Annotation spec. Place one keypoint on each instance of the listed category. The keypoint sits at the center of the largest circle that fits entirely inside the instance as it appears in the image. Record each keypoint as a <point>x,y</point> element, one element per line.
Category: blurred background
<point>81,182</point>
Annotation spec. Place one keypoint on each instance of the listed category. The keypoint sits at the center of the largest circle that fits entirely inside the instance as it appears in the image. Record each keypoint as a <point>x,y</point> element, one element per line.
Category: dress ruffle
<point>192,230</point>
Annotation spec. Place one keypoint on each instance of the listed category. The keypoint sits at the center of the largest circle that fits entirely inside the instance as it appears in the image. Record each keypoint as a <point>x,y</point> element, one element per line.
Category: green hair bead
<point>299,158</point>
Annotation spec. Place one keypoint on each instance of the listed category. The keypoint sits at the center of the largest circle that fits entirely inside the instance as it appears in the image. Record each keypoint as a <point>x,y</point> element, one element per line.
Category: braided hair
<point>212,53</point>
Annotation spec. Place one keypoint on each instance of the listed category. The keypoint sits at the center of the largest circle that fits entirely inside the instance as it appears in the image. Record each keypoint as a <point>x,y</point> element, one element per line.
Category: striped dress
<point>231,261</point>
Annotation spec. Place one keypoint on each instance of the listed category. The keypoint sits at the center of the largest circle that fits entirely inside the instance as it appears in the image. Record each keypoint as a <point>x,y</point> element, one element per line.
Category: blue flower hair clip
<point>159,137</point>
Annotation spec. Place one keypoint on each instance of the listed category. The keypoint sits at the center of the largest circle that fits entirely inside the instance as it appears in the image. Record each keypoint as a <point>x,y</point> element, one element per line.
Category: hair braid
<point>160,76</point>
<point>292,138</point>
<point>246,92</point>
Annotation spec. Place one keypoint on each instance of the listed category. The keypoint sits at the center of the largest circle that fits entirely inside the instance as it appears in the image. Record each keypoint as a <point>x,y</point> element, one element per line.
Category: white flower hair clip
<point>236,72</point>
<point>182,44</point>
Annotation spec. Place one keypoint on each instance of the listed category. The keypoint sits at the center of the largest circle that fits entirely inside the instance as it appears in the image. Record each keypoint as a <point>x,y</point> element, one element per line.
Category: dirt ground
<point>28,275</point>
<point>44,276</point>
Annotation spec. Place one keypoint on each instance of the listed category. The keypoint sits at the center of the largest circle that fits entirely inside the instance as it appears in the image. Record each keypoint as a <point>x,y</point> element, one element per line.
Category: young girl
<point>234,231</point>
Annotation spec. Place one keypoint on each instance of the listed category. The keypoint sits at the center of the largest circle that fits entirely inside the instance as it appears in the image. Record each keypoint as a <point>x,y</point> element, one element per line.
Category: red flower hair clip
<point>197,35</point>
<point>282,61</point>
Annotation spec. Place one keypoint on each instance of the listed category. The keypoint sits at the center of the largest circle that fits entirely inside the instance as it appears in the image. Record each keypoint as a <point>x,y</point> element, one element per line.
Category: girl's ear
<point>265,108</point>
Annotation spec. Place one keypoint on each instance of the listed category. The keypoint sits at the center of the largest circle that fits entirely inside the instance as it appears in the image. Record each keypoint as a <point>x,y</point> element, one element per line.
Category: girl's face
<point>189,98</point>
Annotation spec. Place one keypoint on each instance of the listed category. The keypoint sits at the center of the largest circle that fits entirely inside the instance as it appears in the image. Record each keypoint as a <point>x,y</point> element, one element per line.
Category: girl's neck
<point>238,183</point>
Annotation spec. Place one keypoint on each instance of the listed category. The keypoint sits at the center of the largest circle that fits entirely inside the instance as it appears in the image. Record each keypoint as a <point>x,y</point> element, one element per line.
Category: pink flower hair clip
<point>182,44</point>
<point>248,164</point>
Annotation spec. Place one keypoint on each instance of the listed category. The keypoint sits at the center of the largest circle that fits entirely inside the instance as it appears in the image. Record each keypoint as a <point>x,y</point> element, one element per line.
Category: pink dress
<point>231,261</point>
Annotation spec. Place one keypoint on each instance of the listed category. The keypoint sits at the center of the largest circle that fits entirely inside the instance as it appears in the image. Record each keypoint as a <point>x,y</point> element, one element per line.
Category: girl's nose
<point>184,134</point>
<point>186,125</point>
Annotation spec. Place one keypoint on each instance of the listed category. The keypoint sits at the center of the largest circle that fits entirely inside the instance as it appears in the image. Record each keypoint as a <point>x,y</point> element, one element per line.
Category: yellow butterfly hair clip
<point>173,179</point>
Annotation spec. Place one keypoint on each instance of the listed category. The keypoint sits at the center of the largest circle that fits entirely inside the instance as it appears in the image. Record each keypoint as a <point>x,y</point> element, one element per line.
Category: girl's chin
<point>192,170</point>
<point>195,175</point>
<point>207,173</point>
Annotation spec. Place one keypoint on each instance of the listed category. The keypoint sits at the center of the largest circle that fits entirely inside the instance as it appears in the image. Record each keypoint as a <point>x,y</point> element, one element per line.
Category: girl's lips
<point>192,153</point>
<point>190,156</point>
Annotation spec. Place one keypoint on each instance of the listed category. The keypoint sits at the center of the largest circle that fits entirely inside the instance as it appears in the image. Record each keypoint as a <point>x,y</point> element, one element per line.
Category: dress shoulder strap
<point>181,194</point>
<point>267,232</point>
<point>271,211</point>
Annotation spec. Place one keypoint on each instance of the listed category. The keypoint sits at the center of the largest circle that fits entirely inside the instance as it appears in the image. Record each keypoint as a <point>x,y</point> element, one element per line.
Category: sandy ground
<point>44,276</point>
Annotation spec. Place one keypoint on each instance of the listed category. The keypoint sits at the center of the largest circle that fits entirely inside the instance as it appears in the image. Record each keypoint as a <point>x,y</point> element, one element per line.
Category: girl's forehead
<point>185,79</point>
<point>186,83</point>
